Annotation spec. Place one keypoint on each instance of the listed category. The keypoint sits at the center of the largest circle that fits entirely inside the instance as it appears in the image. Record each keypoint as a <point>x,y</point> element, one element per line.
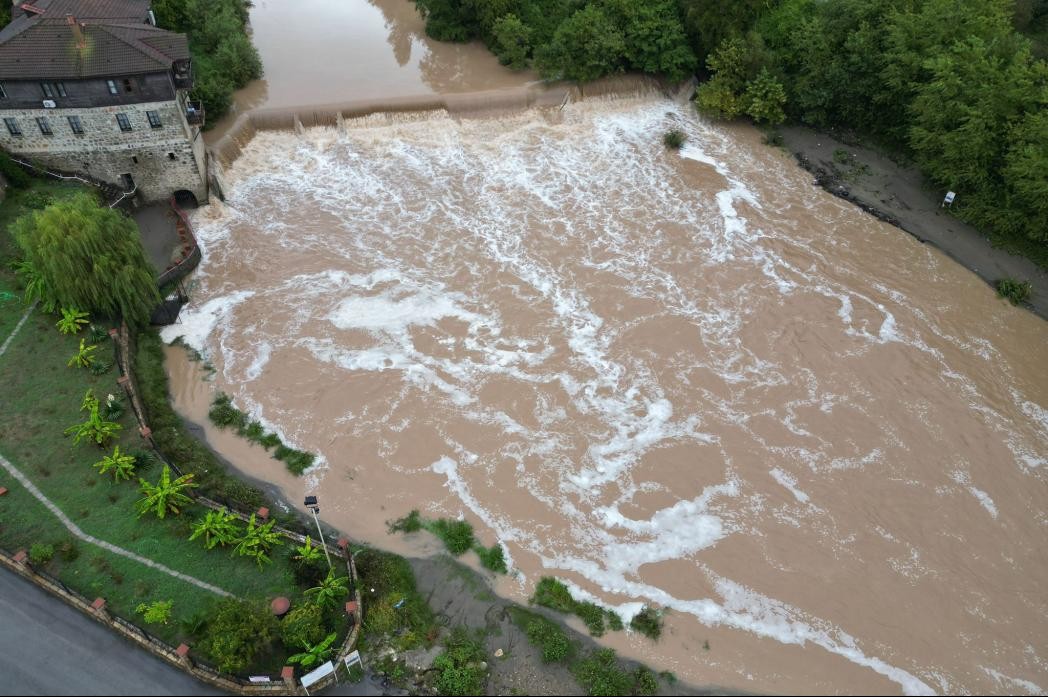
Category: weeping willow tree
<point>80,254</point>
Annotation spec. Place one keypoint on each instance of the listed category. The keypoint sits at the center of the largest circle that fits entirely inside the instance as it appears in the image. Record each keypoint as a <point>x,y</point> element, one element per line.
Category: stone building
<point>94,87</point>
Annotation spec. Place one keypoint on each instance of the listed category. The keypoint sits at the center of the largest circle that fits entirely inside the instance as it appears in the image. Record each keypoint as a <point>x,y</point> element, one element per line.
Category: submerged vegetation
<point>457,536</point>
<point>551,593</point>
<point>224,415</point>
<point>1016,292</point>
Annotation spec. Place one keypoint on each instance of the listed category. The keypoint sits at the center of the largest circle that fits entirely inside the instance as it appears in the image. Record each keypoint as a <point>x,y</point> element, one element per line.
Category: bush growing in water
<point>553,594</point>
<point>224,415</point>
<point>412,522</point>
<point>1015,291</point>
<point>492,558</point>
<point>456,534</point>
<point>675,139</point>
<point>648,622</point>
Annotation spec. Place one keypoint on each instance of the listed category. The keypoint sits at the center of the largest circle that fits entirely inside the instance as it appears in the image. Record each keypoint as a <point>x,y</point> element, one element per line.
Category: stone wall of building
<point>159,160</point>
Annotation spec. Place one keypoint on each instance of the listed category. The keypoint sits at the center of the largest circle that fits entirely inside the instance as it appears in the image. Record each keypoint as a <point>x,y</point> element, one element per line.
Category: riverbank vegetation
<point>224,415</point>
<point>224,59</point>
<point>958,87</point>
<point>457,536</point>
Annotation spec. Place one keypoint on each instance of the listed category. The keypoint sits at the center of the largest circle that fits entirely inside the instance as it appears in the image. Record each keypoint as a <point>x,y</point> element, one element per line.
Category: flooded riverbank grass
<point>224,415</point>
<point>457,536</point>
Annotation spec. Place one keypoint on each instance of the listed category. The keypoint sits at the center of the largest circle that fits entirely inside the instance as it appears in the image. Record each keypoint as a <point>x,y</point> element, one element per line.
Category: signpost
<point>316,675</point>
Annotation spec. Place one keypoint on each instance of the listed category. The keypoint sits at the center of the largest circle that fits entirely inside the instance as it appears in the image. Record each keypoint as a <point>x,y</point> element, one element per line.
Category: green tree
<point>764,99</point>
<point>315,653</point>
<point>586,46</point>
<point>257,541</point>
<point>237,633</point>
<point>721,95</point>
<point>89,256</point>
<point>511,42</point>
<point>710,22</point>
<point>166,495</point>
<point>122,466</point>
<point>653,35</point>
<point>217,528</point>
<point>331,590</point>
<point>1025,175</point>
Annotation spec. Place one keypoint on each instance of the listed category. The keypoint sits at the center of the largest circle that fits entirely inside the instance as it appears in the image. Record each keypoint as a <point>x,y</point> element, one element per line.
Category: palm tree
<point>308,551</point>
<point>123,466</point>
<point>314,654</point>
<point>330,591</point>
<point>257,541</point>
<point>217,528</point>
<point>165,495</point>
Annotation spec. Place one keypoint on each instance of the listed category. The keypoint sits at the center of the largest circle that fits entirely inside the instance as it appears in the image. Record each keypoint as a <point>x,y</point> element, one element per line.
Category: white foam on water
<point>790,483</point>
<point>414,211</point>
<point>198,322</point>
<point>1010,683</point>
<point>964,479</point>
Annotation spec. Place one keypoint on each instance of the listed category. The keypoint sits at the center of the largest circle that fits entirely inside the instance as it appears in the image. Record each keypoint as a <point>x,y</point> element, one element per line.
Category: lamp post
<point>311,504</point>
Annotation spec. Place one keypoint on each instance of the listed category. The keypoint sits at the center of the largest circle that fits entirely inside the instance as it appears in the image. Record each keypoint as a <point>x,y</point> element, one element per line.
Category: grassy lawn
<point>41,397</point>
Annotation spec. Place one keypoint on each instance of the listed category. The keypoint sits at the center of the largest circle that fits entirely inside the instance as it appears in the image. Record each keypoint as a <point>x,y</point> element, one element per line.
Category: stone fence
<point>191,259</point>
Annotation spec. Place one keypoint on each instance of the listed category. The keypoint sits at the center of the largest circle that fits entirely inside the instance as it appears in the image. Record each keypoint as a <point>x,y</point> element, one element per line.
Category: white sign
<point>258,678</point>
<point>352,659</point>
<point>950,196</point>
<point>49,104</point>
<point>318,674</point>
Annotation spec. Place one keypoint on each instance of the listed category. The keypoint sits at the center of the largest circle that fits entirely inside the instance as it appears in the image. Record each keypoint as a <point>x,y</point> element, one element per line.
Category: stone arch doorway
<point>185,199</point>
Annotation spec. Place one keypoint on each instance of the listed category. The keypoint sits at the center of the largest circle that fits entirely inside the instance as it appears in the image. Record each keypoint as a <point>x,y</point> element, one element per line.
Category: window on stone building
<point>112,87</point>
<point>3,95</point>
<point>75,125</point>
<point>125,123</point>
<point>154,119</point>
<point>12,127</point>
<point>171,156</point>
<point>48,92</point>
<point>45,127</point>
<point>60,88</point>
<point>127,85</point>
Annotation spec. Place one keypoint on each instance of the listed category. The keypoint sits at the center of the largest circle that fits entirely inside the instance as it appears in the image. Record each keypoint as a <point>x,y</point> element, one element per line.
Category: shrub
<point>456,534</point>
<point>1015,291</point>
<point>459,668</point>
<point>614,621</point>
<point>223,414</point>
<point>600,674</point>
<point>644,681</point>
<point>157,612</point>
<point>674,139</point>
<point>412,522</point>
<point>237,633</point>
<point>303,626</point>
<point>41,553</point>
<point>550,638</point>
<point>553,594</point>
<point>12,171</point>
<point>309,572</point>
<point>592,615</point>
<point>648,622</point>
<point>386,580</point>
<point>492,558</point>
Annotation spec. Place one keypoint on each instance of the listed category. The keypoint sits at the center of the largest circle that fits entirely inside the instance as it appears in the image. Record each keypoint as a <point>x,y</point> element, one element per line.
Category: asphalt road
<point>48,648</point>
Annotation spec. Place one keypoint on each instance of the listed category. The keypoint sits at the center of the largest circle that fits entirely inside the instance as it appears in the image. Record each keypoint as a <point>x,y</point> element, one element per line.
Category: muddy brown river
<point>690,380</point>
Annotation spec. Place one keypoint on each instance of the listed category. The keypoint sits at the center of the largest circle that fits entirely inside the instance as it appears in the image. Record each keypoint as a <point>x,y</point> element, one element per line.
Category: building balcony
<point>183,82</point>
<point>195,113</point>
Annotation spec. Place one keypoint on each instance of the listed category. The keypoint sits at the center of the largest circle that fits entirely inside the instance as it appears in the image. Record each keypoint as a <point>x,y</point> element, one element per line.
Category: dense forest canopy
<point>958,86</point>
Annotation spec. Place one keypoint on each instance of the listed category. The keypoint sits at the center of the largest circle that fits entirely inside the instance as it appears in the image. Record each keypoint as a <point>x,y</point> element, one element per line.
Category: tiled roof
<point>117,41</point>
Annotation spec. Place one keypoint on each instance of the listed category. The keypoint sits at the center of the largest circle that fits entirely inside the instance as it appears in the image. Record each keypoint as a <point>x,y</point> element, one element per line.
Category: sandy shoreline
<point>899,196</point>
